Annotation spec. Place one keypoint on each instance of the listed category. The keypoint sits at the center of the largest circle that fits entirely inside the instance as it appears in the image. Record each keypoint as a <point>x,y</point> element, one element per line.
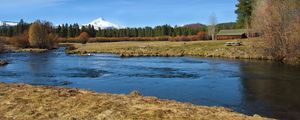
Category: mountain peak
<point>8,23</point>
<point>100,19</point>
<point>103,24</point>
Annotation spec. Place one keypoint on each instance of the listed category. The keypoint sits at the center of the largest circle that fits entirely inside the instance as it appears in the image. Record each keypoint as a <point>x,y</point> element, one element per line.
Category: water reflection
<point>40,62</point>
<point>272,89</point>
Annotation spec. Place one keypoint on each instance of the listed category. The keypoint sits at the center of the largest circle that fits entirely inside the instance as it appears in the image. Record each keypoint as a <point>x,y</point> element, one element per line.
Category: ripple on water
<point>9,74</point>
<point>85,72</point>
<point>46,75</point>
<point>162,72</point>
<point>168,75</point>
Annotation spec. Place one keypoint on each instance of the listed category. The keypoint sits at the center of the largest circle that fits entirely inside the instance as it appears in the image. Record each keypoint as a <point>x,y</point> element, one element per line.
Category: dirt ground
<point>26,102</point>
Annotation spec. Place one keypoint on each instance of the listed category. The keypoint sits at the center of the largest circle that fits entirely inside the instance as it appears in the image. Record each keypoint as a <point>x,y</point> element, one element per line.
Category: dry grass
<point>165,48</point>
<point>18,44</point>
<point>1,47</point>
<point>35,50</point>
<point>2,42</point>
<point>25,102</point>
<point>200,36</point>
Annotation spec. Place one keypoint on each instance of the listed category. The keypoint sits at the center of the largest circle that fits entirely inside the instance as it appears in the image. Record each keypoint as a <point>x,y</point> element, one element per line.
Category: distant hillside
<point>220,26</point>
<point>195,25</point>
<point>229,25</point>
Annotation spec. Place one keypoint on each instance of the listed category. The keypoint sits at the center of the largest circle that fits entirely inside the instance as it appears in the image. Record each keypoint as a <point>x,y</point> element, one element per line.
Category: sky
<point>129,13</point>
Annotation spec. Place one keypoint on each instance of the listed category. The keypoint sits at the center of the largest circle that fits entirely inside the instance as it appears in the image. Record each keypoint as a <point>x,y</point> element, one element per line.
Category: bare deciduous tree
<point>212,27</point>
<point>278,22</point>
<point>20,40</point>
<point>39,35</point>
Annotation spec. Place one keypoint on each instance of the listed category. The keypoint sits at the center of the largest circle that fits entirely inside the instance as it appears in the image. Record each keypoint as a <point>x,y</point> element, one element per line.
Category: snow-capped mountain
<point>103,24</point>
<point>8,23</point>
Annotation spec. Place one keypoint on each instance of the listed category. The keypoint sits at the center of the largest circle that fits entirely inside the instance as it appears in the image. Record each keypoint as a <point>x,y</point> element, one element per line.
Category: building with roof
<point>232,34</point>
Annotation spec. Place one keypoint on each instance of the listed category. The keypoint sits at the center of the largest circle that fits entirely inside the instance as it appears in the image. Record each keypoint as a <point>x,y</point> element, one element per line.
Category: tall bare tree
<point>279,23</point>
<point>212,27</point>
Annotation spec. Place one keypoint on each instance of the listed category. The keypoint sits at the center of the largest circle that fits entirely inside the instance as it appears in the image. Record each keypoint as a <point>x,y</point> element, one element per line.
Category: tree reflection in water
<point>271,88</point>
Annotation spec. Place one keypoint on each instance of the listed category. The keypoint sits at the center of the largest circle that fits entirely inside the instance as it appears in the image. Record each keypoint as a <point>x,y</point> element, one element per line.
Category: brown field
<point>166,48</point>
<point>122,39</point>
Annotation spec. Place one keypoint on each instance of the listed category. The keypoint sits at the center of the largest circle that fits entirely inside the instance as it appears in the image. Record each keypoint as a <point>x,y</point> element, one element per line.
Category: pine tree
<point>244,12</point>
<point>70,31</point>
<point>21,27</point>
<point>57,31</point>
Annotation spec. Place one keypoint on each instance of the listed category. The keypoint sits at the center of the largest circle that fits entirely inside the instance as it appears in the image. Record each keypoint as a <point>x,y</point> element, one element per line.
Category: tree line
<point>10,31</point>
<point>244,12</point>
<point>74,30</point>
<point>39,34</point>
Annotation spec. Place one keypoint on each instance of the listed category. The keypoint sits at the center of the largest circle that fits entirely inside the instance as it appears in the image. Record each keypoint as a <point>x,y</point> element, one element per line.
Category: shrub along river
<point>250,87</point>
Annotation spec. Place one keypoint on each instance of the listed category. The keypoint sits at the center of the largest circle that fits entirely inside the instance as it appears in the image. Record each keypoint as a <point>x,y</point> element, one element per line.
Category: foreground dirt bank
<point>31,102</point>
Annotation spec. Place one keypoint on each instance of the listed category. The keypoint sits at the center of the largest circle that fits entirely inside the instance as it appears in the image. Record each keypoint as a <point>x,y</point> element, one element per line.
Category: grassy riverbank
<point>166,48</point>
<point>34,50</point>
<point>10,48</point>
<point>32,102</point>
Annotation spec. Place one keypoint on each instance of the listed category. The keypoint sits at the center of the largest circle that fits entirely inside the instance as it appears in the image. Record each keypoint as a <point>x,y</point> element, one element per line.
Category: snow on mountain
<point>103,24</point>
<point>8,23</point>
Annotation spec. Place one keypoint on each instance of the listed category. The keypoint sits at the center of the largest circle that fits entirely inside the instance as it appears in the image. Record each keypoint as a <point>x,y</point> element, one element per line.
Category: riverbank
<point>3,62</point>
<point>10,48</point>
<point>166,48</point>
<point>37,102</point>
<point>34,50</point>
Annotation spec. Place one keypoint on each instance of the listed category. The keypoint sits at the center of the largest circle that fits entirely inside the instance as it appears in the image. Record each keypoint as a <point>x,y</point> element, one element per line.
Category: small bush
<point>1,47</point>
<point>184,38</point>
<point>84,37</point>
<point>202,35</point>
<point>70,48</point>
<point>5,40</point>
<point>20,41</point>
<point>135,94</point>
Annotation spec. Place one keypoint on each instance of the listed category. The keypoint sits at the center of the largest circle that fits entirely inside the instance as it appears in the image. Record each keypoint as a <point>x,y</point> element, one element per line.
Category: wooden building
<point>232,34</point>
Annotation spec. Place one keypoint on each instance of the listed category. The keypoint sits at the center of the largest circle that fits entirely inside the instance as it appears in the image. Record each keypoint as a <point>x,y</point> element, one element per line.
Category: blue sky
<point>131,13</point>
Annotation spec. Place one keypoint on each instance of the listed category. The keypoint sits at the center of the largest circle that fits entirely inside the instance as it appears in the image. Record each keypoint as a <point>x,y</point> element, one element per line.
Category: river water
<point>250,87</point>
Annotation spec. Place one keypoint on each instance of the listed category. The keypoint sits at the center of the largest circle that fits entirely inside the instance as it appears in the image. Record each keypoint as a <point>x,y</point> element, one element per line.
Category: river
<point>250,87</point>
